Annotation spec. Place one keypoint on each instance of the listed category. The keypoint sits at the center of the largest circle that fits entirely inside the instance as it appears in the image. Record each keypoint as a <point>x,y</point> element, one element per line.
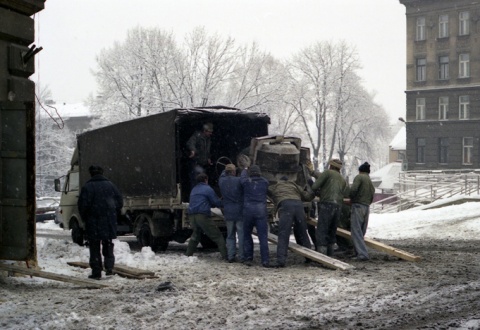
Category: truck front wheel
<point>77,233</point>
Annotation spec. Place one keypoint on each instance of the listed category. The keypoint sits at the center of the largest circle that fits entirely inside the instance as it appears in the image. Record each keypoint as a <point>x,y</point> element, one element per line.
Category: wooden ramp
<point>375,244</point>
<point>314,255</point>
<point>122,270</point>
<point>52,276</point>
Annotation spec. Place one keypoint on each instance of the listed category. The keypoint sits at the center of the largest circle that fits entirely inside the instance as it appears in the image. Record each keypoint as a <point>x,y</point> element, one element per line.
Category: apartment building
<point>443,84</point>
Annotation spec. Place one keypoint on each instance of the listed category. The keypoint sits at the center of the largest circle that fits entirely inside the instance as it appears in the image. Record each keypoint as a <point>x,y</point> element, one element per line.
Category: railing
<point>419,188</point>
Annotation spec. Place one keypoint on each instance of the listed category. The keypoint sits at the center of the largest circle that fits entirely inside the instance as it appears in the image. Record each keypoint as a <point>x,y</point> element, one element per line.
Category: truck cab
<point>69,187</point>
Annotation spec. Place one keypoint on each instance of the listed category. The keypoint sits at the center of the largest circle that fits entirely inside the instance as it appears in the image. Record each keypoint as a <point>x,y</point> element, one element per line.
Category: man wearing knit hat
<point>232,194</point>
<point>361,196</point>
<point>330,186</point>
<point>255,213</point>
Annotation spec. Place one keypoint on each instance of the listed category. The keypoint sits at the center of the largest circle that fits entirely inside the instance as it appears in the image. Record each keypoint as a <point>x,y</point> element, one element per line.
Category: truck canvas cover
<point>148,157</point>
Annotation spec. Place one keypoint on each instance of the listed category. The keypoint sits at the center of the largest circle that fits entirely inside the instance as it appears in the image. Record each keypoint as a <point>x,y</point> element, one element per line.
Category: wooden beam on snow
<point>311,254</point>
<point>376,244</point>
<point>122,270</point>
<point>52,276</point>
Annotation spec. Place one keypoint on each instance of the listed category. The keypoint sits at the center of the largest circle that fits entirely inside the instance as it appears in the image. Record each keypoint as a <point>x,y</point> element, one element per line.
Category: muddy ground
<point>440,292</point>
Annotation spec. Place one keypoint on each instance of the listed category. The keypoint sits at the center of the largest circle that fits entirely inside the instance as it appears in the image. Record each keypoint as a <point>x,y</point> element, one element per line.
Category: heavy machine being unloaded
<point>148,160</point>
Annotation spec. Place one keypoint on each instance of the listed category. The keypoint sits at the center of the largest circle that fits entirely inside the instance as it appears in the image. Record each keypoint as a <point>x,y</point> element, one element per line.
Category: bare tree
<point>312,77</point>
<point>333,107</point>
<point>53,144</point>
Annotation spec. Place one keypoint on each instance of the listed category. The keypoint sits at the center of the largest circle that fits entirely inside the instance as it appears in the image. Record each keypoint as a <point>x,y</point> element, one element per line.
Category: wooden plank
<point>53,276</point>
<point>314,255</point>
<point>376,244</point>
<point>121,270</point>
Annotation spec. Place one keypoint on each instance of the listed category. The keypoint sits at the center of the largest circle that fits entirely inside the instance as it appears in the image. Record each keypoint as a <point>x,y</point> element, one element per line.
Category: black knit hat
<point>365,168</point>
<point>254,170</point>
<point>95,170</point>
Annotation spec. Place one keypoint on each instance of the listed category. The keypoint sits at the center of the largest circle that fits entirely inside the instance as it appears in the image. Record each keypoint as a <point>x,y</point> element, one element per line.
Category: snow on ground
<point>210,294</point>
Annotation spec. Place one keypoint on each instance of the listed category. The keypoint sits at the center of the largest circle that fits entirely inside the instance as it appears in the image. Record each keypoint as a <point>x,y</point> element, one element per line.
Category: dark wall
<point>17,130</point>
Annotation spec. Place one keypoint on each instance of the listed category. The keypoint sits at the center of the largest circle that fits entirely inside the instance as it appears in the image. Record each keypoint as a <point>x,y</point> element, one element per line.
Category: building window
<point>421,142</point>
<point>420,28</point>
<point>464,107</point>
<point>420,109</point>
<point>464,65</point>
<point>443,67</point>
<point>464,23</point>
<point>467,150</point>
<point>443,150</point>
<point>443,26</point>
<point>442,108</point>
<point>421,69</point>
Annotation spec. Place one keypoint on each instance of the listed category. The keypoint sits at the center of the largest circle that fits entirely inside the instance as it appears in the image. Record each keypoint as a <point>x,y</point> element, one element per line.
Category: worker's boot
<point>322,249</point>
<point>330,250</point>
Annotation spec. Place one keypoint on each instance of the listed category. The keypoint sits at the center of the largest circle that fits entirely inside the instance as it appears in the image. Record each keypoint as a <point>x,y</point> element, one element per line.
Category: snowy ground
<point>440,292</point>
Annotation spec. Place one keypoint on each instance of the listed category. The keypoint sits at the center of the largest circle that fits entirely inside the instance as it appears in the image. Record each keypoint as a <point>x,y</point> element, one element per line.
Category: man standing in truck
<point>232,194</point>
<point>198,146</point>
<point>99,204</point>
<point>202,199</point>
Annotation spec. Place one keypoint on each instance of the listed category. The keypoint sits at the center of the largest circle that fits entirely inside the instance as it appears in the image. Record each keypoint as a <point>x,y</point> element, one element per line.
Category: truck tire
<point>145,238</point>
<point>77,233</point>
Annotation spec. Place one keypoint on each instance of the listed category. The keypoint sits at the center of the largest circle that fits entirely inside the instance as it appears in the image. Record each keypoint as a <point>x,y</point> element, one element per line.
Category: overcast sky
<point>72,33</point>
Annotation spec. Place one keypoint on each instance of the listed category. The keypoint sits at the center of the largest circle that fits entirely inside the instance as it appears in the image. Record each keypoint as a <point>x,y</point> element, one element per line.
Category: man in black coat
<point>99,203</point>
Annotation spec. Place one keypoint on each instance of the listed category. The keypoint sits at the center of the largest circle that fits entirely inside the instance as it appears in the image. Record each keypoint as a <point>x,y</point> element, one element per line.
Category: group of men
<point>244,203</point>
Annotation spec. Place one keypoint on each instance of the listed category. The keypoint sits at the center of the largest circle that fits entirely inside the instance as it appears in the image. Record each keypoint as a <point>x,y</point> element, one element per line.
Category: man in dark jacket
<point>202,199</point>
<point>255,214</point>
<point>99,204</point>
<point>232,194</point>
<point>361,196</point>
<point>331,187</point>
<point>288,197</point>
<point>198,146</point>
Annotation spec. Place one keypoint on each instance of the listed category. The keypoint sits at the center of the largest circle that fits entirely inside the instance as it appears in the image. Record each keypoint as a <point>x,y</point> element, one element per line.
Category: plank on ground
<point>52,276</point>
<point>308,253</point>
<point>376,245</point>
<point>121,270</point>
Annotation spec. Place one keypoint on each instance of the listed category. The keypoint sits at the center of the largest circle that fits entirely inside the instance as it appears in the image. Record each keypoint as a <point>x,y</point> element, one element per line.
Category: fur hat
<point>365,168</point>
<point>337,163</point>
<point>230,167</point>
<point>254,170</point>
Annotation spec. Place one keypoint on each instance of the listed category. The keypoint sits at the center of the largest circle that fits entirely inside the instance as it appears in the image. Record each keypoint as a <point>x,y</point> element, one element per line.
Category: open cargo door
<point>17,130</point>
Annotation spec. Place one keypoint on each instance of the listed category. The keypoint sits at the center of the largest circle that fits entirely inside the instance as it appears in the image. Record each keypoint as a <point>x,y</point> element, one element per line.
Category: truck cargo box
<point>147,157</point>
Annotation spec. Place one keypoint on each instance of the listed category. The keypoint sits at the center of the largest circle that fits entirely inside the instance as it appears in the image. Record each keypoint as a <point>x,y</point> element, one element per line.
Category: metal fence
<point>423,187</point>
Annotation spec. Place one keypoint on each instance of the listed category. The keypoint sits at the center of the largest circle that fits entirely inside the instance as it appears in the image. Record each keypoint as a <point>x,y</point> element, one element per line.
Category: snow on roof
<point>387,175</point>
<point>399,142</point>
<point>66,110</point>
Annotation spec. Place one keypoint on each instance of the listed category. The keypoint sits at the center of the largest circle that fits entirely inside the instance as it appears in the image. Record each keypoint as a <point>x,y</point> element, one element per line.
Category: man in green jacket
<point>288,197</point>
<point>361,196</point>
<point>330,186</point>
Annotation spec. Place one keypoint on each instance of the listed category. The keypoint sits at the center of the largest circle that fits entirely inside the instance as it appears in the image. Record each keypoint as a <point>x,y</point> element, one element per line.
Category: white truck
<point>147,159</point>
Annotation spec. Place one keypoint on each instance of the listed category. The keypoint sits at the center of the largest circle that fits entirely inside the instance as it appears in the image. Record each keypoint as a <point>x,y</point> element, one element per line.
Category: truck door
<point>69,198</point>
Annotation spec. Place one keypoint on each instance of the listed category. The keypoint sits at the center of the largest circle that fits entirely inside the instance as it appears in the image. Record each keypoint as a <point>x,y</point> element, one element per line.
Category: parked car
<point>46,208</point>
